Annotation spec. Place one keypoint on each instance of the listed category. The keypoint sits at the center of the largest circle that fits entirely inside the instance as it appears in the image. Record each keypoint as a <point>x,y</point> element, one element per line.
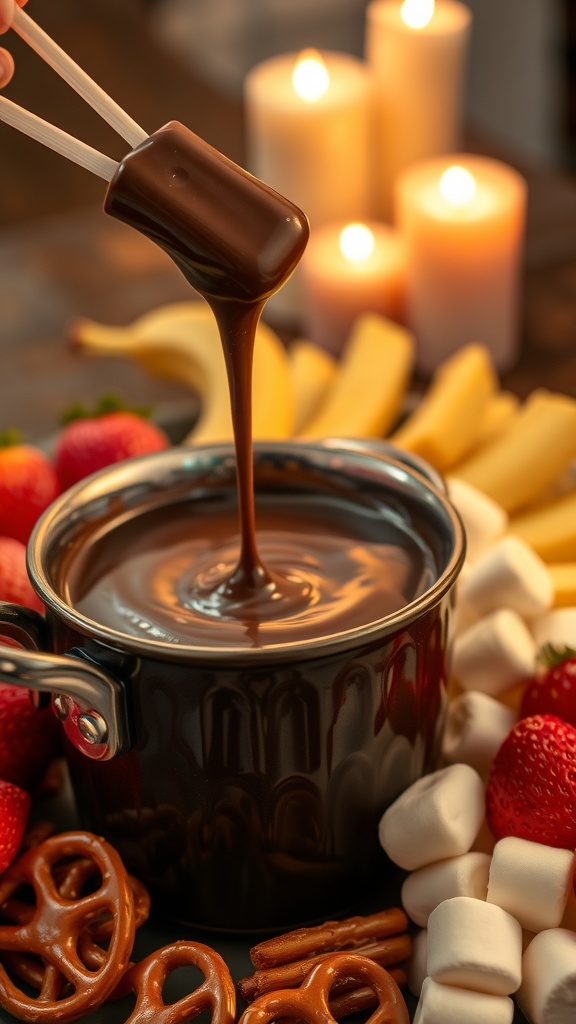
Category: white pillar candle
<point>308,135</point>
<point>463,220</point>
<point>417,51</point>
<point>348,270</point>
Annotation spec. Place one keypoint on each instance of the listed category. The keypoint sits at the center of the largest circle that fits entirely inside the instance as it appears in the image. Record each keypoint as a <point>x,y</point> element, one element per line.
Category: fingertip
<point>6,67</point>
<point>6,14</point>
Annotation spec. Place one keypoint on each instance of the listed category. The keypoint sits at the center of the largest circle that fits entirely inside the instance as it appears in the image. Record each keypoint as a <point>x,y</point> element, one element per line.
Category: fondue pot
<point>244,785</point>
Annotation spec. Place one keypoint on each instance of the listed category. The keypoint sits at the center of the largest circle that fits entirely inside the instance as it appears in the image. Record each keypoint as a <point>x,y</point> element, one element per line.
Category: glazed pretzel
<point>215,993</point>
<point>72,879</point>
<point>76,877</point>
<point>56,929</point>
<point>310,1002</point>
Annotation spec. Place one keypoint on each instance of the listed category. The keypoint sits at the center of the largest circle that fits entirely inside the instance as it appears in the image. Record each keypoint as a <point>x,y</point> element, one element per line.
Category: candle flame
<point>457,186</point>
<point>417,13</point>
<point>357,243</point>
<point>310,76</point>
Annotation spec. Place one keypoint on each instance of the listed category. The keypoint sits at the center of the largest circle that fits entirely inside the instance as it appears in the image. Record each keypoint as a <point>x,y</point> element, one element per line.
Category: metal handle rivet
<point>92,727</point>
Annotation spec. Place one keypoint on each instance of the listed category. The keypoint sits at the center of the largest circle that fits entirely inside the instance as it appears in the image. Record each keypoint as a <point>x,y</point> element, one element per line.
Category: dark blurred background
<point>60,258</point>
<point>186,59</point>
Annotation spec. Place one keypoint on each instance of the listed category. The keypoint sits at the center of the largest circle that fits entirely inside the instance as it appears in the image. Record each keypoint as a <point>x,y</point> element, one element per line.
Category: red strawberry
<point>553,690</point>
<point>86,445</point>
<point>29,738</point>
<point>28,484</point>
<point>15,585</point>
<point>531,791</point>
<point>14,810</point>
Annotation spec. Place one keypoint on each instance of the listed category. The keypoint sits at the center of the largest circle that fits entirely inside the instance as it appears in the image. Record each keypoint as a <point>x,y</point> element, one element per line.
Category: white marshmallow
<point>548,991</point>
<point>475,945</point>
<point>569,918</point>
<point>556,627</point>
<point>531,881</point>
<point>424,889</point>
<point>484,520</point>
<point>417,970</point>
<point>508,575</point>
<point>438,816</point>
<point>485,840</point>
<point>476,726</point>
<point>444,1004</point>
<point>494,654</point>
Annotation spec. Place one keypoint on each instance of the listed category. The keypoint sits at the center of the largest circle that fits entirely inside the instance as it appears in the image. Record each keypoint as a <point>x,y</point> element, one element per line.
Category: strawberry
<point>553,690</point>
<point>14,810</point>
<point>28,484</point>
<point>91,443</point>
<point>29,738</point>
<point>531,791</point>
<point>15,585</point>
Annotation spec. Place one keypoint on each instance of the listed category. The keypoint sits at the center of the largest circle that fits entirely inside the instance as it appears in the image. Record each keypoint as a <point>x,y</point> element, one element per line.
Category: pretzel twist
<point>310,1002</point>
<point>215,993</point>
<point>55,929</point>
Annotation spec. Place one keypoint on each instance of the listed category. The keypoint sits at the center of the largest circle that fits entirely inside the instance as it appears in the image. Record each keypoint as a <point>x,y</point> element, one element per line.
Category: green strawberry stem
<point>10,437</point>
<point>105,405</point>
<point>550,656</point>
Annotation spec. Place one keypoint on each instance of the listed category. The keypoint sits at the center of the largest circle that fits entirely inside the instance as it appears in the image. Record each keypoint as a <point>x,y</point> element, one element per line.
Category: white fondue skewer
<point>48,134</point>
<point>77,78</point>
<point>58,140</point>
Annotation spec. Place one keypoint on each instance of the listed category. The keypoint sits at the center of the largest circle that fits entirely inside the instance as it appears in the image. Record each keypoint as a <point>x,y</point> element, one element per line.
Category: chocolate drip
<point>236,241</point>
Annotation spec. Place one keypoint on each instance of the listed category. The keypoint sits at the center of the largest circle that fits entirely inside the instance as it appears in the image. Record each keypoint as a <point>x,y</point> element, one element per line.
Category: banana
<point>312,371</point>
<point>180,342</point>
<point>365,397</point>
<point>550,530</point>
<point>563,576</point>
<point>443,427</point>
<point>528,457</point>
<point>499,414</point>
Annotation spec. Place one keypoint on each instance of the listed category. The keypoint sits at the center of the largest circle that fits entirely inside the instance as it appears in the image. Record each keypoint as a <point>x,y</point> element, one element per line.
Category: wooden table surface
<point>61,257</point>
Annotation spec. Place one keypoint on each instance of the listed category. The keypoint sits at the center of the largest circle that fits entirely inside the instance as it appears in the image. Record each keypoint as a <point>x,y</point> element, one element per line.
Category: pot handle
<point>90,703</point>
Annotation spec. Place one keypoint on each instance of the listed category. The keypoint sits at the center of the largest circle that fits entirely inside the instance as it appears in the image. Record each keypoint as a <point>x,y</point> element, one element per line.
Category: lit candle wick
<point>357,243</point>
<point>417,13</point>
<point>310,77</point>
<point>458,186</point>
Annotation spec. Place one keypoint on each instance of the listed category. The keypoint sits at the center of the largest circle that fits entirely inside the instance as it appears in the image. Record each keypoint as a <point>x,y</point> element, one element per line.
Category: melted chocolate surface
<point>171,575</point>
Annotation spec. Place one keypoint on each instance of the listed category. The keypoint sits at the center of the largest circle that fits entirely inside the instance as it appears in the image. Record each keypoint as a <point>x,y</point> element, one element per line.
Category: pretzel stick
<point>53,137</point>
<point>331,936</point>
<point>76,77</point>
<point>388,952</point>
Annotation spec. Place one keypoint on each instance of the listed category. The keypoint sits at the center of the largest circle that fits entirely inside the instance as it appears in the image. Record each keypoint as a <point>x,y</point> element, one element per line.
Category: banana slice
<point>312,371</point>
<point>498,416</point>
<point>528,457</point>
<point>181,342</point>
<point>444,426</point>
<point>366,394</point>
<point>550,529</point>
<point>563,576</point>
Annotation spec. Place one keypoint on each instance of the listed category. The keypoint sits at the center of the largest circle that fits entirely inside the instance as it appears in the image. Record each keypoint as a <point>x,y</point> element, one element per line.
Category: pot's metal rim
<point>145,468</point>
